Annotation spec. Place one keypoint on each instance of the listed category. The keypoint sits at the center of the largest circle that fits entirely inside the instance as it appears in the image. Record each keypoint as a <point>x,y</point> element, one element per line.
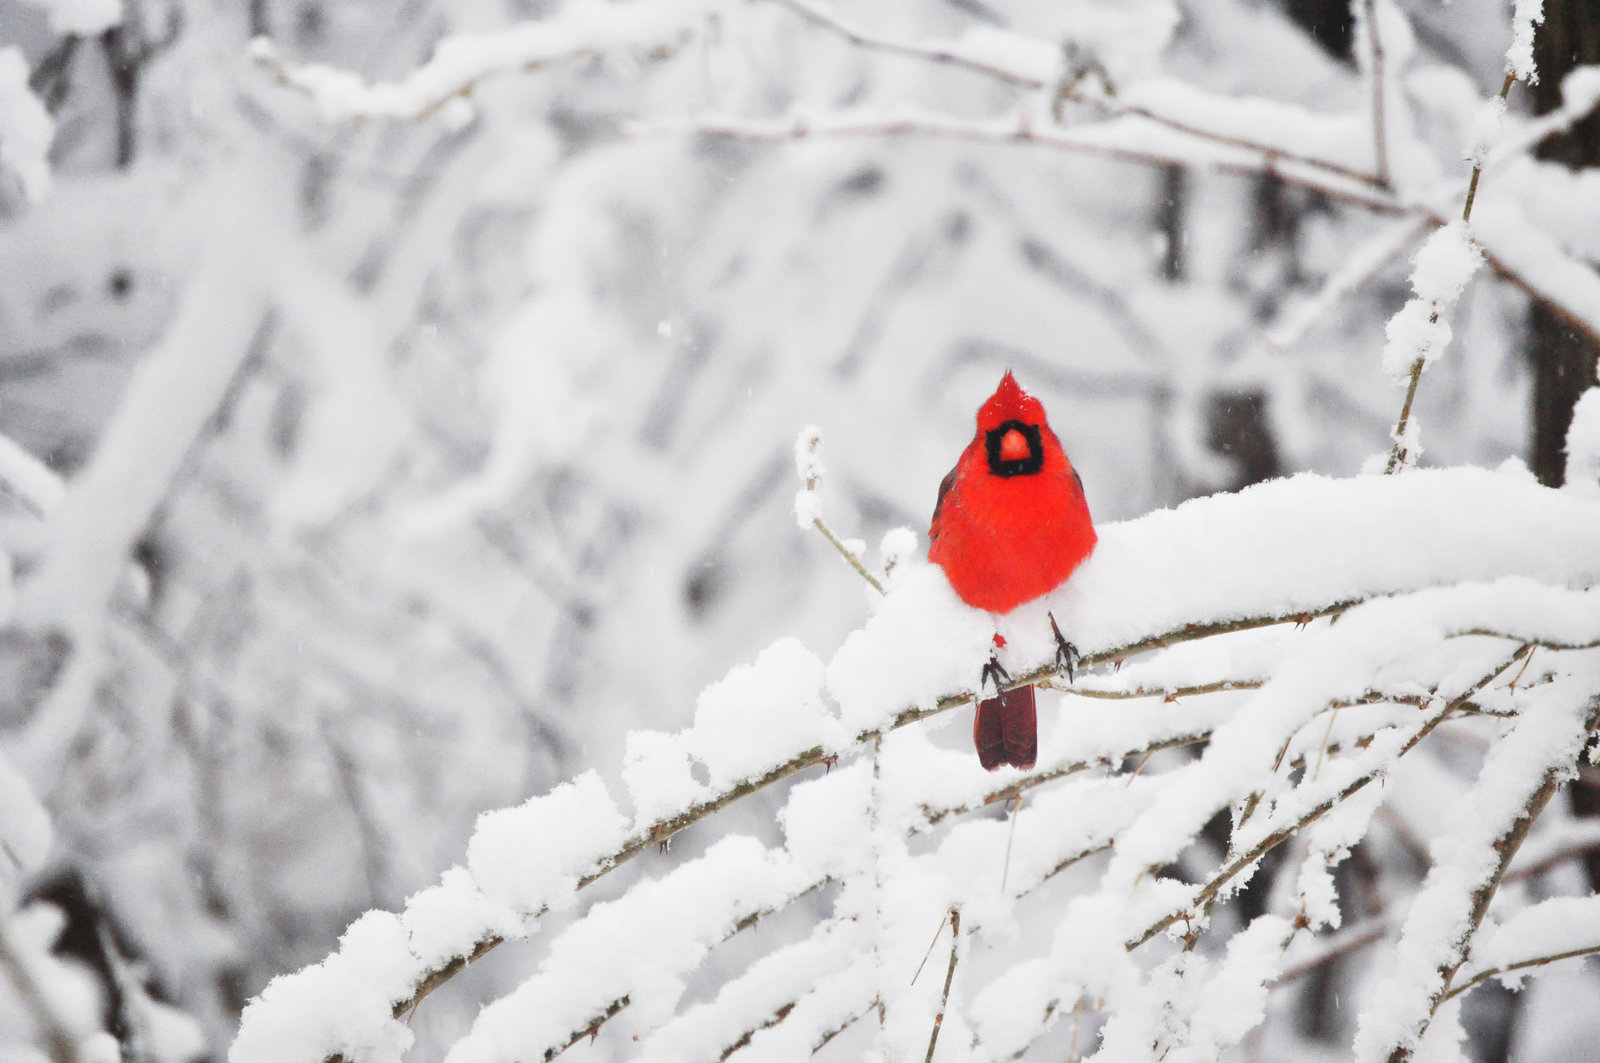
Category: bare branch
<point>949,976</point>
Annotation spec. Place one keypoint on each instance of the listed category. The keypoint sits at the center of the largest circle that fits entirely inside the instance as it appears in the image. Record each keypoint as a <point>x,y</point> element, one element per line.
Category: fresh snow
<point>1462,550</point>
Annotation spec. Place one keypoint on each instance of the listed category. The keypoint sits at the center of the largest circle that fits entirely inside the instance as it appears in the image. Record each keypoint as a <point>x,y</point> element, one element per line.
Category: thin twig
<point>876,1005</point>
<point>1397,453</point>
<point>931,944</point>
<point>844,552</point>
<point>1323,748</point>
<point>1343,945</point>
<point>1537,961</point>
<point>590,1031</point>
<point>772,1020</point>
<point>949,976</point>
<point>1165,693</point>
<point>1011,836</point>
<point>1518,677</point>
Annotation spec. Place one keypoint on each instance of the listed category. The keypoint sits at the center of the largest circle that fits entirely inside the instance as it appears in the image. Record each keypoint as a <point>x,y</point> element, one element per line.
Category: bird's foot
<point>994,673</point>
<point>1067,655</point>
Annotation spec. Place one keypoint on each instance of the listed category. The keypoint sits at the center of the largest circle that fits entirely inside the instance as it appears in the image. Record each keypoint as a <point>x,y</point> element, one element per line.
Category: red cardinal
<point>1010,525</point>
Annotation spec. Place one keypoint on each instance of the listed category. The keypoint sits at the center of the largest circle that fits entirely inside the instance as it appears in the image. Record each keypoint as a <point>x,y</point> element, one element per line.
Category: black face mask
<point>1020,466</point>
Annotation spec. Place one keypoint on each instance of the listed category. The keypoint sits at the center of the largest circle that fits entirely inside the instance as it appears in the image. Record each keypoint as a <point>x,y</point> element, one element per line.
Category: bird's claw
<point>1067,655</point>
<point>994,673</point>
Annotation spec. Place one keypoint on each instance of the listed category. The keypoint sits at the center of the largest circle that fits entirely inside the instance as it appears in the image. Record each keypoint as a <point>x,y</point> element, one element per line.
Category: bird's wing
<point>944,488</point>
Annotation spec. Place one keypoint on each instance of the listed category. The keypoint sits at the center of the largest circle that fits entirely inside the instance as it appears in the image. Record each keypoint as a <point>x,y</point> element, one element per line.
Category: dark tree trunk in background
<point>1562,357</point>
<point>1329,22</point>
<point>1237,423</point>
<point>1169,221</point>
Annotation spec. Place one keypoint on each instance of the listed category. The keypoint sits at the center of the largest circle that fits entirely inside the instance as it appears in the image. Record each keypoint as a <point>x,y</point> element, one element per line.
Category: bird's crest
<point>1010,403</point>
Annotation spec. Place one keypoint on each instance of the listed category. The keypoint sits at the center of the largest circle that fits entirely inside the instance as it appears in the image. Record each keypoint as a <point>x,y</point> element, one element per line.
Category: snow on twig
<point>1519,54</point>
<point>459,63</point>
<point>808,503</point>
<point>1419,331</point>
<point>1552,930</point>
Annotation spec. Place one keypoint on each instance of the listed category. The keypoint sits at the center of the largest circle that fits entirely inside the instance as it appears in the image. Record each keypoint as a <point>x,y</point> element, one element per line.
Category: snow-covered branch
<point>917,658</point>
<point>588,29</point>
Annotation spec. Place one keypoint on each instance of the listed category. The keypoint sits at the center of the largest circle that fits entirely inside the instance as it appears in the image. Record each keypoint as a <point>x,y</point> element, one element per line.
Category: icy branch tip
<point>808,462</point>
<point>899,545</point>
<point>1519,56</point>
<point>807,456</point>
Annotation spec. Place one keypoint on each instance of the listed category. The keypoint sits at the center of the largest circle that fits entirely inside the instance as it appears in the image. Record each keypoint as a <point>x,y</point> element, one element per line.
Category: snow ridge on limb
<point>1299,546</point>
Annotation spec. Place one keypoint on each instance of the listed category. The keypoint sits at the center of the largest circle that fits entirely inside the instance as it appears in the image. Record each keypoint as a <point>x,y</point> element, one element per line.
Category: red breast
<point>1011,523</point>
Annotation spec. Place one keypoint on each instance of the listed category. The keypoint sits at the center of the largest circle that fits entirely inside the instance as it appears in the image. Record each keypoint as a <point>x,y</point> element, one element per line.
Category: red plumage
<point>1011,524</point>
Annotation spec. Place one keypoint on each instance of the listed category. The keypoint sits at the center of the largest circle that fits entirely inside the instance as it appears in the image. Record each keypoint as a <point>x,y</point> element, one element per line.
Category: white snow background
<point>447,406</point>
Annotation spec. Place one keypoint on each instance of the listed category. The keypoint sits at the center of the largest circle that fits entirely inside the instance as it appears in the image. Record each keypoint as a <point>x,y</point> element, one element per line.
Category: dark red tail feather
<point>1006,730</point>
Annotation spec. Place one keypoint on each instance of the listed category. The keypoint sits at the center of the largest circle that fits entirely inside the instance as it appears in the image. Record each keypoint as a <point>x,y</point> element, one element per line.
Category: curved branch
<point>1217,152</point>
<point>1536,961</point>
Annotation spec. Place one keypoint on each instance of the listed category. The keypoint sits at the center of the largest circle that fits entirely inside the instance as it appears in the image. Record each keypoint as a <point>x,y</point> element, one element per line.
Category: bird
<point>1011,524</point>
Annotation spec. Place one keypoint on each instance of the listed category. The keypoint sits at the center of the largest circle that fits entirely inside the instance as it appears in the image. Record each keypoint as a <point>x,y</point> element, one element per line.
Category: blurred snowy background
<point>412,459</point>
